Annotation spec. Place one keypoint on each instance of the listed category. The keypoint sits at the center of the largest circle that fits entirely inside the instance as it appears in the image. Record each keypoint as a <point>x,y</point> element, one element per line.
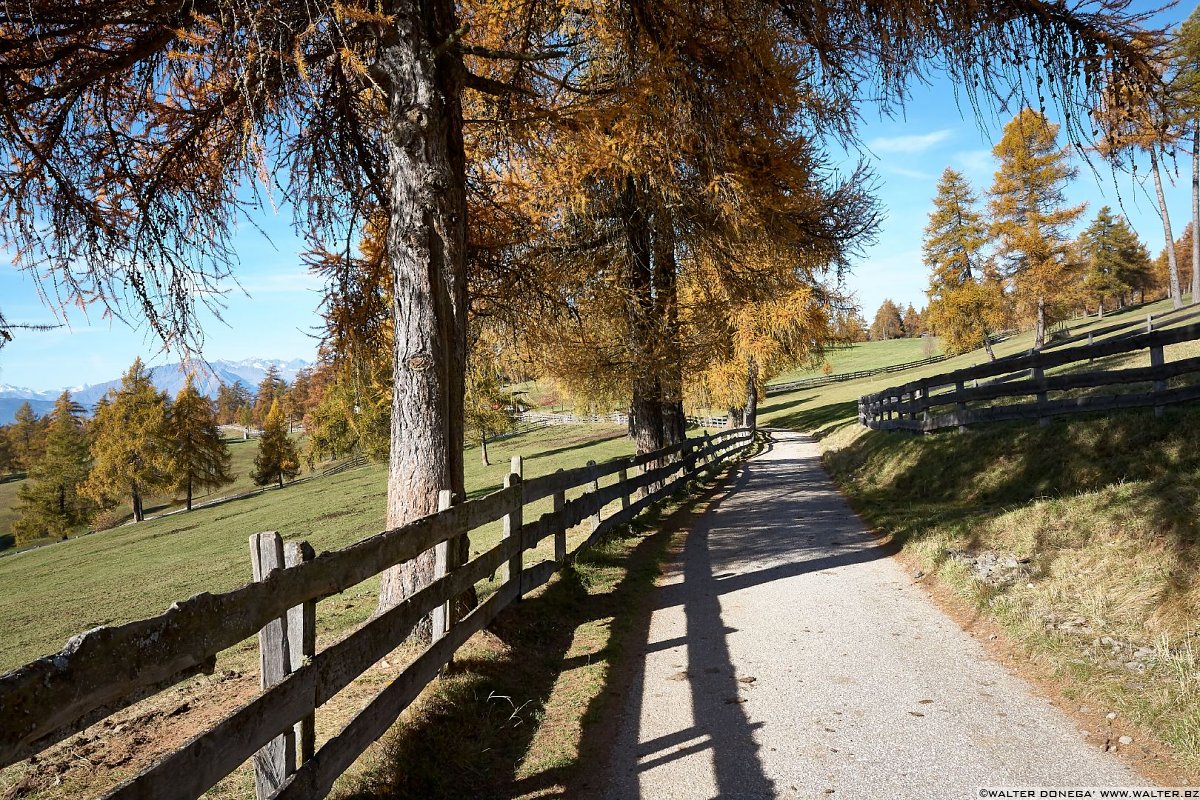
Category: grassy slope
<point>241,462</point>
<point>1102,511</point>
<point>863,356</point>
<point>135,571</point>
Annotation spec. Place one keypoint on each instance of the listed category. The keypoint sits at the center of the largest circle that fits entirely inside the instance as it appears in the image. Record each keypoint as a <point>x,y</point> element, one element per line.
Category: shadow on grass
<point>820,421</point>
<point>489,730</point>
<point>909,484</point>
<point>577,446</point>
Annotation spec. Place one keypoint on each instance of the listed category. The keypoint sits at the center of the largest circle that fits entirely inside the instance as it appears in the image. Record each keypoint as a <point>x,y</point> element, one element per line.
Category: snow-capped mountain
<point>169,378</point>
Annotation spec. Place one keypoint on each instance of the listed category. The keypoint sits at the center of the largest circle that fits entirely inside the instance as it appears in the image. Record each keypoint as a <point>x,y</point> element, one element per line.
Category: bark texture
<point>1196,212</point>
<point>751,411</point>
<point>426,247</point>
<point>1172,263</point>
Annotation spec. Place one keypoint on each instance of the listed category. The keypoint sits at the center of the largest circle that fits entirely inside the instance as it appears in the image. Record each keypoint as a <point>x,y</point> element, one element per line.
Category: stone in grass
<point>1125,740</point>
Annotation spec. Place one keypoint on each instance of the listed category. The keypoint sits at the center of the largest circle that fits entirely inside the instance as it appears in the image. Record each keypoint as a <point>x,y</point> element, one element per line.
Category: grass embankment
<point>1080,539</point>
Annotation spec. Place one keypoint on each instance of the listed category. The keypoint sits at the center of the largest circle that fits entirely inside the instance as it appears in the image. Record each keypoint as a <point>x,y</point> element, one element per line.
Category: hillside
<point>1079,539</point>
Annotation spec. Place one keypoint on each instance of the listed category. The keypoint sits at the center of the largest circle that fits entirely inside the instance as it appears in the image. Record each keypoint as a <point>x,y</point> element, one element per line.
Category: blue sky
<point>273,313</point>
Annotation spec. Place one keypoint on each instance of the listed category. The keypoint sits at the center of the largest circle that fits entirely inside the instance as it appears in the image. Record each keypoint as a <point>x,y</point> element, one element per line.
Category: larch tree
<point>486,416</point>
<point>130,456</point>
<point>1185,84</point>
<point>135,135</point>
<point>888,323</point>
<point>276,460</point>
<point>50,502</point>
<point>270,389</point>
<point>8,460</point>
<point>1130,122</point>
<point>1116,263</point>
<point>200,458</point>
<point>26,435</point>
<point>965,306</point>
<point>1030,217</point>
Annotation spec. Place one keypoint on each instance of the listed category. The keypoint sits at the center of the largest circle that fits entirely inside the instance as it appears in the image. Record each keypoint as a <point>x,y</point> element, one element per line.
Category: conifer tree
<point>888,323</point>
<point>8,461</point>
<point>131,459</point>
<point>199,456</point>
<point>277,460</point>
<point>913,326</point>
<point>50,502</point>
<point>26,435</point>
<point>270,389</point>
<point>1115,261</point>
<point>964,306</point>
<point>485,413</point>
<point>1030,218</point>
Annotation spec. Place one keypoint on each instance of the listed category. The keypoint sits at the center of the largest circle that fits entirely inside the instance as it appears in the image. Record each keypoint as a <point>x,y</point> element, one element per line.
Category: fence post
<point>1149,323</point>
<point>512,522</point>
<point>1157,360</point>
<point>276,761</point>
<point>623,478</point>
<point>302,645</point>
<point>1039,376</point>
<point>1090,342</point>
<point>925,401</point>
<point>595,488</point>
<point>960,408</point>
<point>560,534</point>
<point>441,566</point>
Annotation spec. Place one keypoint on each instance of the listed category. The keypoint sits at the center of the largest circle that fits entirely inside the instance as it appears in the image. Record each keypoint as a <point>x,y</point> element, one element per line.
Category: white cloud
<point>905,172</point>
<point>915,143</point>
<point>978,163</point>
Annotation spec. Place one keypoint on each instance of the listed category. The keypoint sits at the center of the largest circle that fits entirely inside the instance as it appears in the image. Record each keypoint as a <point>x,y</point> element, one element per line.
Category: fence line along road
<point>944,401</point>
<point>110,668</point>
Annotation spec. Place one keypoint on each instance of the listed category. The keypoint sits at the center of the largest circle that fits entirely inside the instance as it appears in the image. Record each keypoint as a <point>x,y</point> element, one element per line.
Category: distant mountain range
<point>169,378</point>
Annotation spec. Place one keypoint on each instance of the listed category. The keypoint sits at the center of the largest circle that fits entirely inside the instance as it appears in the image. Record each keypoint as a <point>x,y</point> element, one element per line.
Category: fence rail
<point>942,401</point>
<point>110,668</point>
<point>825,380</point>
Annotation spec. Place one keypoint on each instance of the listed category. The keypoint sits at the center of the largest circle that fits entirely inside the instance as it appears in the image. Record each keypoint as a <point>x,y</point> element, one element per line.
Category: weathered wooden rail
<point>946,400</point>
<point>110,668</point>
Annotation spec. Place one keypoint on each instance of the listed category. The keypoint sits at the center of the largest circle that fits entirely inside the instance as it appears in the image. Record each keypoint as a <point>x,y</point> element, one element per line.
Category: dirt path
<point>789,656</point>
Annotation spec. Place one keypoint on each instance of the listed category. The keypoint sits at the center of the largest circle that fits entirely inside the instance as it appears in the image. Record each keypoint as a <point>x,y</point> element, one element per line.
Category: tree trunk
<point>1100,313</point>
<point>670,360</point>
<point>280,476</point>
<point>751,413</point>
<point>987,345</point>
<point>1196,211</point>
<point>426,244</point>
<point>483,450</point>
<point>734,418</point>
<point>1039,336</point>
<point>189,493</point>
<point>1172,264</point>
<point>645,408</point>
<point>138,516</point>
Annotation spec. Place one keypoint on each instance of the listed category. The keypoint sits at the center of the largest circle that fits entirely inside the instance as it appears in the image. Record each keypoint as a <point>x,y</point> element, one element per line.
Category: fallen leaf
<point>916,713</point>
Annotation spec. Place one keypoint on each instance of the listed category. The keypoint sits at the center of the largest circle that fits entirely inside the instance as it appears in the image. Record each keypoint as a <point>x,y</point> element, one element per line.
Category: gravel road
<point>789,656</point>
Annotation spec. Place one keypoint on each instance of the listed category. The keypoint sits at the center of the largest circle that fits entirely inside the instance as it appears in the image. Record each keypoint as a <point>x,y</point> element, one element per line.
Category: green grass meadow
<point>51,593</point>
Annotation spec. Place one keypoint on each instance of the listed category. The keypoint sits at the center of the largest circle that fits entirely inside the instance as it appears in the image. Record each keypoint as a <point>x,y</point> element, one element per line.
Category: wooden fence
<point>110,668</point>
<point>945,401</point>
<point>825,380</point>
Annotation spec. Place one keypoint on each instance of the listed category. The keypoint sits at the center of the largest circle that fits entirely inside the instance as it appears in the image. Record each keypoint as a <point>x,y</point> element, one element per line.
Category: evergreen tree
<point>484,412</point>
<point>230,401</point>
<point>270,389</point>
<point>276,459</point>
<point>129,449</point>
<point>26,436</point>
<point>887,324</point>
<point>1186,95</point>
<point>912,322</point>
<point>8,461</point>
<point>964,306</point>
<point>199,456</point>
<point>50,503</point>
<point>1030,217</point>
<point>1115,261</point>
